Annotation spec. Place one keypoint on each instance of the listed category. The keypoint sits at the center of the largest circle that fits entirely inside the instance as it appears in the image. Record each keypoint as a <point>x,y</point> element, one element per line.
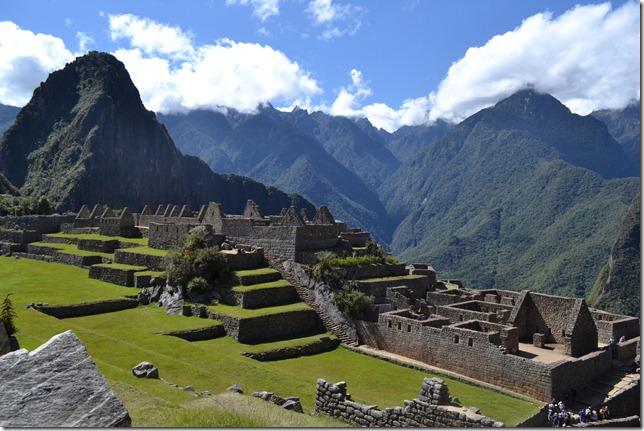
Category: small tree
<point>7,315</point>
<point>353,302</point>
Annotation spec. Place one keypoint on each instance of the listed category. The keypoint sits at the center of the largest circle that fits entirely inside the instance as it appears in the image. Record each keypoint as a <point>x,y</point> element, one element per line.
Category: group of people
<point>560,416</point>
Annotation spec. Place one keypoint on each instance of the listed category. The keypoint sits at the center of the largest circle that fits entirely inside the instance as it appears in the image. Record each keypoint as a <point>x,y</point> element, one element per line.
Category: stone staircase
<point>304,294</point>
<point>602,389</point>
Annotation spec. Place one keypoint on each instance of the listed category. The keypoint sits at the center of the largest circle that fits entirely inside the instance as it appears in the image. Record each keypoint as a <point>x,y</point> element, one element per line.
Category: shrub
<point>209,264</point>
<point>8,315</point>
<point>196,239</point>
<point>352,302</point>
<point>197,285</point>
<point>179,270</point>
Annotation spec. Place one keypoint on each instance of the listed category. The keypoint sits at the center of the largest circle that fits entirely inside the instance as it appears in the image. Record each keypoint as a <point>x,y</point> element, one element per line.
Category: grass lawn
<point>258,271</point>
<point>261,286</point>
<point>146,250</point>
<point>141,241</point>
<point>71,249</point>
<point>245,313</point>
<point>152,273</point>
<point>118,341</point>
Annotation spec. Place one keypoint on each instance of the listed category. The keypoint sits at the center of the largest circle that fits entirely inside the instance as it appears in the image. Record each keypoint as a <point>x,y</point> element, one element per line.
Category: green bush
<point>196,259</point>
<point>21,205</point>
<point>352,302</point>
<point>209,264</point>
<point>347,262</point>
<point>197,285</point>
<point>8,315</point>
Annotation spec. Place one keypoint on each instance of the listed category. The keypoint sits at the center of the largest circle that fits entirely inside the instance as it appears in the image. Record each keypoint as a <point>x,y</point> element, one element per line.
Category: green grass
<point>146,250</point>
<point>118,341</point>
<point>295,342</point>
<point>261,286</point>
<point>244,313</point>
<point>71,249</point>
<point>349,261</point>
<point>73,236</point>
<point>152,273</point>
<point>258,271</point>
<point>121,266</point>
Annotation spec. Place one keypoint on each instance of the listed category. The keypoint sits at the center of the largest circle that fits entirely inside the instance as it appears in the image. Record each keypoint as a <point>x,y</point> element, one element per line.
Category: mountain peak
<point>529,102</point>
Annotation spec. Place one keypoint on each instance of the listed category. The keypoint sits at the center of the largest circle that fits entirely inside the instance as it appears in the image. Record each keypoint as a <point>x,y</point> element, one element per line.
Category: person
<point>555,420</point>
<point>593,416</point>
<point>622,339</point>
<point>582,415</point>
<point>588,413</point>
<point>605,414</point>
<point>562,406</point>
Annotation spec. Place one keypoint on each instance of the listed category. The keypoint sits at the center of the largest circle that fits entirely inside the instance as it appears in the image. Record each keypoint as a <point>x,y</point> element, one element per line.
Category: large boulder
<point>57,385</point>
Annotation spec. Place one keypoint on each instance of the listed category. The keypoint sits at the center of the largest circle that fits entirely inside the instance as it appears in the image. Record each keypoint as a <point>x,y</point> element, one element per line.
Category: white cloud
<point>150,36</point>
<point>68,22</point>
<point>337,20</point>
<point>26,58</point>
<point>225,73</point>
<point>588,58</point>
<point>84,41</point>
<point>262,9</point>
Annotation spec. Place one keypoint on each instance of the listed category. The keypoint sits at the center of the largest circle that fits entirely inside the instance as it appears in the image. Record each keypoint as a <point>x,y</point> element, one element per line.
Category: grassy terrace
<point>244,313</point>
<point>152,273</point>
<point>258,271</point>
<point>146,250</point>
<point>261,286</point>
<point>118,341</point>
<point>75,236</point>
<point>71,249</point>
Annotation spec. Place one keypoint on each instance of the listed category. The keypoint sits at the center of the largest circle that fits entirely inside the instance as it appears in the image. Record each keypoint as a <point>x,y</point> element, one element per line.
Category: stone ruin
<point>432,408</point>
<point>290,235</point>
<point>541,345</point>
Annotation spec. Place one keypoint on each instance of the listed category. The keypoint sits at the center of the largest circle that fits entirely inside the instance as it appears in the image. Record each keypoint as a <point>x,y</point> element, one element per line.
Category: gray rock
<point>293,405</point>
<point>189,389</point>
<point>144,296</point>
<point>57,385</point>
<point>204,394</point>
<point>157,290</point>
<point>172,301</point>
<point>265,395</point>
<point>235,388</point>
<point>146,369</point>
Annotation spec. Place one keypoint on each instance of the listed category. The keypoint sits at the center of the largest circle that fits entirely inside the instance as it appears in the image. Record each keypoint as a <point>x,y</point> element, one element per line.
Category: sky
<point>397,63</point>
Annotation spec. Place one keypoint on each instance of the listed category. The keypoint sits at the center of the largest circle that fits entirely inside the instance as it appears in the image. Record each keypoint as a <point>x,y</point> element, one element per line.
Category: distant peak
<point>528,101</point>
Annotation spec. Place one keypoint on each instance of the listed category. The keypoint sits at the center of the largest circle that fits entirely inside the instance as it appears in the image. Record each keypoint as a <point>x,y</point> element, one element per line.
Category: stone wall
<point>168,236</point>
<point>114,274</point>
<point>207,333</point>
<point>375,271</point>
<point>151,261</point>
<point>247,260</point>
<point>266,297</point>
<point>626,401</point>
<point>430,409</point>
<point>103,246</point>
<point>324,344</point>
<point>615,326</point>
<point>19,236</point>
<point>39,223</point>
<point>252,330</point>
<point>457,348</point>
<point>87,308</point>
<point>280,240</point>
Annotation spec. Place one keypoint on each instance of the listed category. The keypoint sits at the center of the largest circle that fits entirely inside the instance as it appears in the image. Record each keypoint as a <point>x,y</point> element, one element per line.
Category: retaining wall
<point>324,344</point>
<point>207,333</point>
<point>266,297</point>
<point>116,275</point>
<point>87,308</point>
<point>139,259</point>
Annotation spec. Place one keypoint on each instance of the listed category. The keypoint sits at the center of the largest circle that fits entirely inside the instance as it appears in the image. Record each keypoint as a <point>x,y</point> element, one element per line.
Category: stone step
<point>257,276</point>
<point>115,273</point>
<point>262,295</point>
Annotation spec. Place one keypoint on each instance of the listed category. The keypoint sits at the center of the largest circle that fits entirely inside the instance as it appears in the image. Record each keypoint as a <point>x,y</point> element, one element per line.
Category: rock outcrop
<point>86,138</point>
<point>57,385</point>
<point>5,345</point>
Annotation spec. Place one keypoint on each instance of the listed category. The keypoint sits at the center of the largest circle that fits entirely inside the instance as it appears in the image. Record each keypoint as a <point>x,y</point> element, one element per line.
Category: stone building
<point>541,345</point>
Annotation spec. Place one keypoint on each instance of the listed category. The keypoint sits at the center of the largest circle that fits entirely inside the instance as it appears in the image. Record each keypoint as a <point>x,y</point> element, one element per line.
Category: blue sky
<point>398,51</point>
